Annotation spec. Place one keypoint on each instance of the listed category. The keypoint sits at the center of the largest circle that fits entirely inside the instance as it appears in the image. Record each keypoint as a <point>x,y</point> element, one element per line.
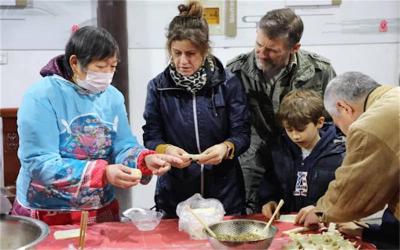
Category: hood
<point>328,133</point>
<point>56,66</point>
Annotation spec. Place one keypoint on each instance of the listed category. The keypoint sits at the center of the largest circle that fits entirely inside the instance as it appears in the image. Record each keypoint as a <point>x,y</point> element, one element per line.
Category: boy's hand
<point>268,209</point>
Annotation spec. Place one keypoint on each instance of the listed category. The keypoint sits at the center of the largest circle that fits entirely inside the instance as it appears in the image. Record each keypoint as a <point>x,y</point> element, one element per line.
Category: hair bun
<point>183,9</point>
<point>192,9</point>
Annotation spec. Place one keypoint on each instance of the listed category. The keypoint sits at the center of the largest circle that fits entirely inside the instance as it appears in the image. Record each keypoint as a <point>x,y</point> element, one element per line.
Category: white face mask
<point>96,82</point>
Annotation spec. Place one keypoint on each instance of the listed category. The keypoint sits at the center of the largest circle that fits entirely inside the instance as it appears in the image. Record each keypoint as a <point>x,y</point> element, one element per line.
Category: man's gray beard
<point>268,70</point>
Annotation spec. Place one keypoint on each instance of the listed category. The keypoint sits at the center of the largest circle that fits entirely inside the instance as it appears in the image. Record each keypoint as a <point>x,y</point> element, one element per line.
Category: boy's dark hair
<point>282,23</point>
<point>300,107</point>
<point>90,43</point>
<point>190,25</point>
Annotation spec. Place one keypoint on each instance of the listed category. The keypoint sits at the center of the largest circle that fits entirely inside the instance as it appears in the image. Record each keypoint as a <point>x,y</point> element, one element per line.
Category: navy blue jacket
<point>195,122</point>
<point>279,181</point>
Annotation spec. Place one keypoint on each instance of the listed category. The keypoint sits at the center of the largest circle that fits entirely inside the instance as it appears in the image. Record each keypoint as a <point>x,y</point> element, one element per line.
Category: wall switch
<point>3,58</point>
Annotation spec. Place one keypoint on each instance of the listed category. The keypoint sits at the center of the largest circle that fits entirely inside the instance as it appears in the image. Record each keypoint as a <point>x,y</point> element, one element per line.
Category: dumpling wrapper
<point>290,218</point>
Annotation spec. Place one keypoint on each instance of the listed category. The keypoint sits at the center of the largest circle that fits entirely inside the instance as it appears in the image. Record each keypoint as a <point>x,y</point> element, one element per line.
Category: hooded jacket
<point>195,122</point>
<point>279,182</point>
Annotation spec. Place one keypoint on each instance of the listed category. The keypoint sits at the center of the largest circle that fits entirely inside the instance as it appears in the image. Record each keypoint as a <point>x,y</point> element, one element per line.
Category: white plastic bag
<point>210,210</point>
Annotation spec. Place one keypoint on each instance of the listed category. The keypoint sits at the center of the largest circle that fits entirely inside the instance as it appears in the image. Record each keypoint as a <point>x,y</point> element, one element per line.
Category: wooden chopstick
<point>82,229</point>
<point>205,226</point>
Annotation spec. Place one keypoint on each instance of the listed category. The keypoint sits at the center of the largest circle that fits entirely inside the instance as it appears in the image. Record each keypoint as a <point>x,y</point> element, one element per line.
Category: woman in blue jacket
<point>75,141</point>
<point>197,111</point>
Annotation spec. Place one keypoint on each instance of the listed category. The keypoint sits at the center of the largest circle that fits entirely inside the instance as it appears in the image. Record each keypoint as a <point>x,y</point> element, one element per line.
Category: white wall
<point>330,31</point>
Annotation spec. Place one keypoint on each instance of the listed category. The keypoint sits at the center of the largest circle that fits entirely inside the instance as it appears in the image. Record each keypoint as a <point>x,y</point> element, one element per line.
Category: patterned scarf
<point>194,82</point>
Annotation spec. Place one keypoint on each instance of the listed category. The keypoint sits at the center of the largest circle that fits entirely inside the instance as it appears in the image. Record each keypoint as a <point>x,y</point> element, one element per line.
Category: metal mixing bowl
<point>19,232</point>
<point>238,227</point>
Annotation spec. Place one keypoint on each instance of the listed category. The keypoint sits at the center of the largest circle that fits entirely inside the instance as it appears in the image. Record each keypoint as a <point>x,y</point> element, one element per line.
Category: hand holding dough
<point>136,173</point>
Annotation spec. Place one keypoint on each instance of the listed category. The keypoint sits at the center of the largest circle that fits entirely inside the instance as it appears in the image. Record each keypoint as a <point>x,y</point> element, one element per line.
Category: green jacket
<point>306,70</point>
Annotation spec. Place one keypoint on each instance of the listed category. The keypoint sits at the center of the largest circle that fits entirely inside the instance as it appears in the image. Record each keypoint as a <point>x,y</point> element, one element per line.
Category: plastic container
<point>144,219</point>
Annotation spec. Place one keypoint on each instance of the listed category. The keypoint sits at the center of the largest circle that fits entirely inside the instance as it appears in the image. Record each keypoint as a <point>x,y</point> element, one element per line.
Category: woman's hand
<point>121,176</point>
<point>268,210</point>
<point>159,164</point>
<point>213,155</point>
<point>180,153</point>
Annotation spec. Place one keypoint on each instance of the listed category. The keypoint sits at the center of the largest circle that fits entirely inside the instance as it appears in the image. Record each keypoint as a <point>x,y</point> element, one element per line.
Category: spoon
<point>206,227</point>
<point>280,204</point>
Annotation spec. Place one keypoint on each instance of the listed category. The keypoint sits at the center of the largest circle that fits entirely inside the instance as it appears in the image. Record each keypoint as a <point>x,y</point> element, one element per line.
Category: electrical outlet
<point>3,58</point>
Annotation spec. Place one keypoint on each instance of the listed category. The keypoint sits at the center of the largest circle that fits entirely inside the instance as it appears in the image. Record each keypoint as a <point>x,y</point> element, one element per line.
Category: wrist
<point>230,150</point>
<point>141,163</point>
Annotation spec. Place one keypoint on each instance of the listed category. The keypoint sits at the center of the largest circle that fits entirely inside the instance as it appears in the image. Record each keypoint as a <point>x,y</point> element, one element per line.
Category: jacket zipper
<point>196,130</point>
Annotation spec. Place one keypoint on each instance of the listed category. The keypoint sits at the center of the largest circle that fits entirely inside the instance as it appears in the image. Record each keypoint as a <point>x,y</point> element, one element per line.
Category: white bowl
<point>144,219</point>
